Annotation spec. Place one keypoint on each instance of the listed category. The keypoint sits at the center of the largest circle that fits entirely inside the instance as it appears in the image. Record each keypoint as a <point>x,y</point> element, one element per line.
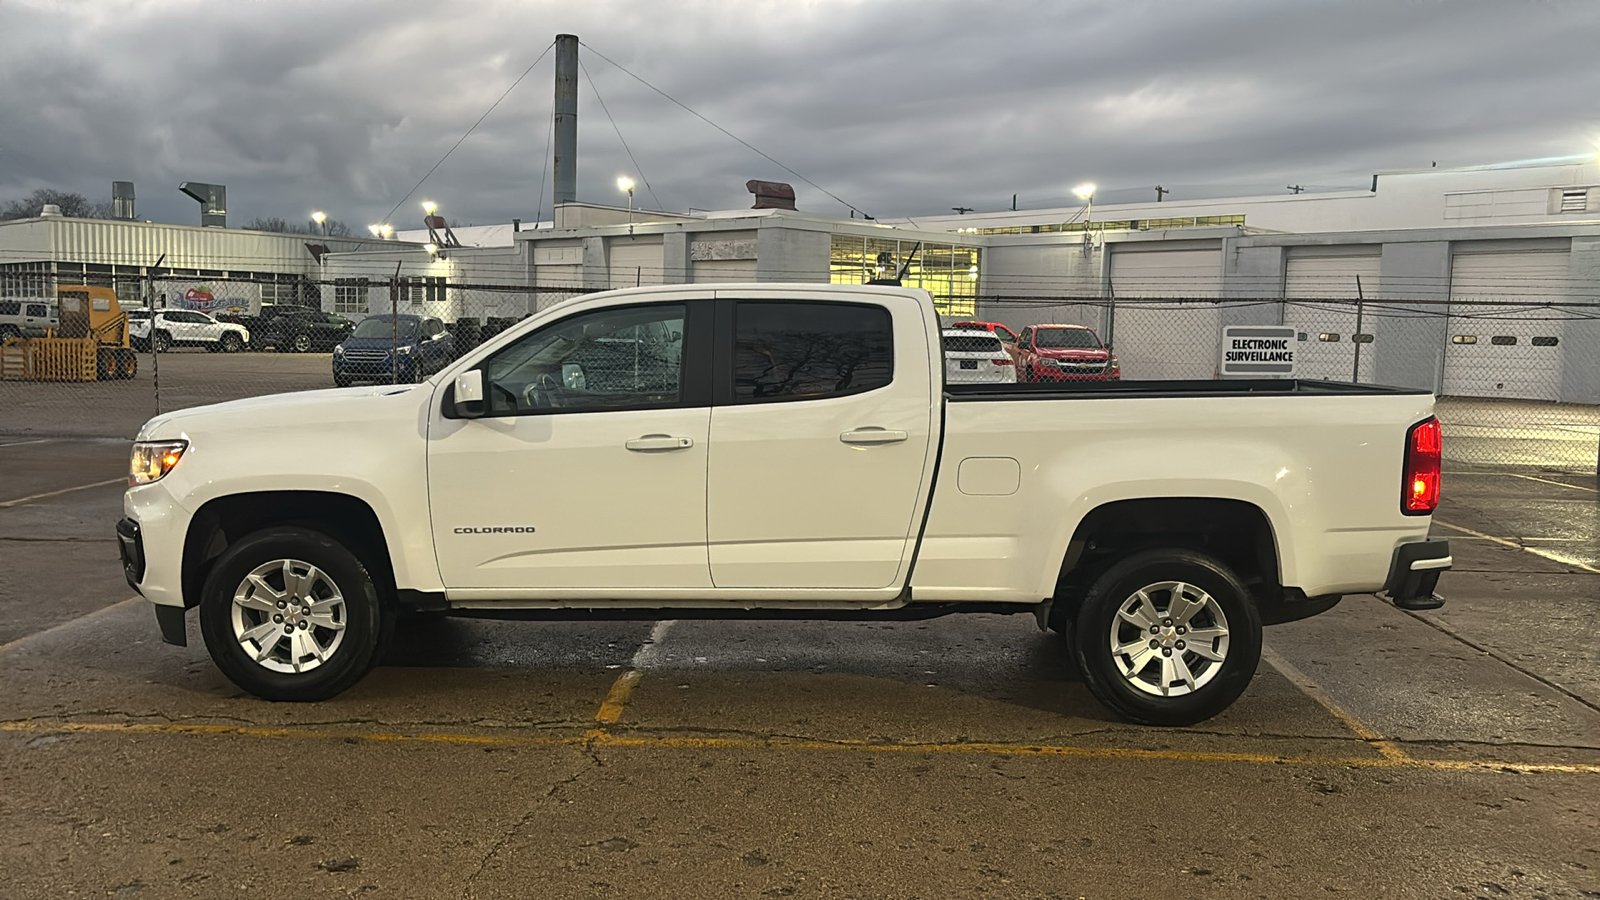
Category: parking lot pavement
<point>116,409</point>
<point>1377,753</point>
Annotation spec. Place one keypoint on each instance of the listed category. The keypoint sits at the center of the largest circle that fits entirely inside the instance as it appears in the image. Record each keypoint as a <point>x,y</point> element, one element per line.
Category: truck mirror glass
<point>468,397</point>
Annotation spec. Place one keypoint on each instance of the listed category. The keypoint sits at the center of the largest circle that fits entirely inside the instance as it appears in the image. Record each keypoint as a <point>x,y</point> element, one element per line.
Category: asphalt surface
<point>1378,753</point>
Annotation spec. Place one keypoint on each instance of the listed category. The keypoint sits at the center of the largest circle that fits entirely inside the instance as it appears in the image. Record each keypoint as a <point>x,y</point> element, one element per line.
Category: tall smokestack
<point>566,161</point>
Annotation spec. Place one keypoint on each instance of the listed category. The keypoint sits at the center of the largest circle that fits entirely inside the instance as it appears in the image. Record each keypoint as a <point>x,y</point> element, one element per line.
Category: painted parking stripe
<point>1546,554</point>
<point>48,494</point>
<point>1385,747</point>
<point>1576,487</point>
<point>616,701</point>
<point>680,742</point>
<point>11,645</point>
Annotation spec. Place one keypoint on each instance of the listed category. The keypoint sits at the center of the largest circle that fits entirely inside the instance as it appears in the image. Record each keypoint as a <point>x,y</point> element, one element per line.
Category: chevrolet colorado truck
<point>785,451</point>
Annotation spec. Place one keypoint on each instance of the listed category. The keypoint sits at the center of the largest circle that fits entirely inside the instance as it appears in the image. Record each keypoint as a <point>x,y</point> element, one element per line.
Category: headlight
<point>152,460</point>
<point>405,351</point>
<point>338,350</point>
<point>1048,362</point>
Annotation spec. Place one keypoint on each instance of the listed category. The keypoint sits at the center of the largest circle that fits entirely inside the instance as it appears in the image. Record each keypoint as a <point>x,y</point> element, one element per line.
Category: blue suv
<point>421,346</point>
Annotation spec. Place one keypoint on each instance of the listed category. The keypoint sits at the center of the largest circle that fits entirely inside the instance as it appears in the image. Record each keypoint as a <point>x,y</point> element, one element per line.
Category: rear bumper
<point>1414,573</point>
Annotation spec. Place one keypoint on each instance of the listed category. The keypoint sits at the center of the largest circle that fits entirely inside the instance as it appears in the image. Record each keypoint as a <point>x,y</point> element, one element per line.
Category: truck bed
<point>1243,387</point>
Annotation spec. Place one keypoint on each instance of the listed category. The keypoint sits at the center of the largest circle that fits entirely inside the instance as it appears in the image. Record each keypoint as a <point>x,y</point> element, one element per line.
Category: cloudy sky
<point>901,107</point>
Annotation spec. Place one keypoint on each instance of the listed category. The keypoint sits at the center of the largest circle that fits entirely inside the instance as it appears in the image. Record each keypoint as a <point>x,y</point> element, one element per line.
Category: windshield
<point>1066,339</point>
<point>379,327</point>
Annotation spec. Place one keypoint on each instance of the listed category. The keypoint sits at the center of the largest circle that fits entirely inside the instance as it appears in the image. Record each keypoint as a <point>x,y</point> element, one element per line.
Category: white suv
<point>186,328</point>
<point>27,316</point>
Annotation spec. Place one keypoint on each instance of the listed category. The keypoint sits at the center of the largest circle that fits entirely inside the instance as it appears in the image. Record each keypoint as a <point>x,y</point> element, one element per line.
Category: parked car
<point>28,316</point>
<point>1064,353</point>
<point>976,357</point>
<point>302,329</point>
<point>778,450</point>
<point>393,348</point>
<point>184,328</point>
<point>1006,335</point>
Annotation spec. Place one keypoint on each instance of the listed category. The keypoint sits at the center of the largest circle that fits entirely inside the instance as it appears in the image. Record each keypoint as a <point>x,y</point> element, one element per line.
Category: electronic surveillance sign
<point>1258,351</point>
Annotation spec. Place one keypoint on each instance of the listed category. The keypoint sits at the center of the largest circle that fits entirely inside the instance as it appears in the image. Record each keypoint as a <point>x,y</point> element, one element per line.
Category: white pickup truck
<point>780,451</point>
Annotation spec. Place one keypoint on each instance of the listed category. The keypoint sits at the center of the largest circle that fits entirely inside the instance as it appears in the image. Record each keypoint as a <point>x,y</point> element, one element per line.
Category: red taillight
<point>1002,362</point>
<point>1419,492</point>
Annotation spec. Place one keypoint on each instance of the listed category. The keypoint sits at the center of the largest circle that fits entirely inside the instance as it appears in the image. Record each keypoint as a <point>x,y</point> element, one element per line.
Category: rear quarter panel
<point>1326,471</point>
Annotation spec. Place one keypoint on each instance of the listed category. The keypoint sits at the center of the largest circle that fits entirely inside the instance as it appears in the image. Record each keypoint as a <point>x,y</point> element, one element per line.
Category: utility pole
<point>1161,192</point>
<point>1295,188</point>
<point>961,210</point>
<point>1013,202</point>
<point>566,124</point>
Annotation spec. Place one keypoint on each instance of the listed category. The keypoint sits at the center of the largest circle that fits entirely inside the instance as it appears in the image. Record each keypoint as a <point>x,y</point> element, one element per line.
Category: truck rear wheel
<point>105,364</point>
<point>127,363</point>
<point>1167,637</point>
<point>291,614</point>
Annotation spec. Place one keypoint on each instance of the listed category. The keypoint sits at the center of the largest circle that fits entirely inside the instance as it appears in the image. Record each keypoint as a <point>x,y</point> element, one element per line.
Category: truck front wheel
<point>291,614</point>
<point>1167,637</point>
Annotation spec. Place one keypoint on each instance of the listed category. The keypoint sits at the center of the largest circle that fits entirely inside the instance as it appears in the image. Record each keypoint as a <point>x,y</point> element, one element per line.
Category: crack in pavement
<point>468,889</point>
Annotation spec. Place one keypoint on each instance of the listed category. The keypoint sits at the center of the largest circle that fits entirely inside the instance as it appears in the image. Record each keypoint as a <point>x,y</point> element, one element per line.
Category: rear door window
<point>799,350</point>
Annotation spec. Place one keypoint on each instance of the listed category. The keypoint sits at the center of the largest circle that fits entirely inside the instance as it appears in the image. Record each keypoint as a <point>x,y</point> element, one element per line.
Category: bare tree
<point>72,205</point>
<point>335,228</point>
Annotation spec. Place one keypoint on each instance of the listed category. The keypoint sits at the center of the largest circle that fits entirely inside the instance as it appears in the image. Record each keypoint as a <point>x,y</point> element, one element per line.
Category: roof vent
<point>771,194</point>
<point>50,209</point>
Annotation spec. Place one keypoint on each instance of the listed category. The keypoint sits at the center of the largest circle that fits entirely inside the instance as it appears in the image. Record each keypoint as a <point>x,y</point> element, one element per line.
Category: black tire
<point>301,343</point>
<point>366,623</point>
<point>127,363</point>
<point>163,342</point>
<point>230,342</point>
<point>7,332</point>
<point>1092,635</point>
<point>105,364</point>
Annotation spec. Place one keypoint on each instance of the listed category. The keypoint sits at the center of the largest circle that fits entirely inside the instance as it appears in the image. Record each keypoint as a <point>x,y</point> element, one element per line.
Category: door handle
<point>659,442</point>
<point>873,436</point>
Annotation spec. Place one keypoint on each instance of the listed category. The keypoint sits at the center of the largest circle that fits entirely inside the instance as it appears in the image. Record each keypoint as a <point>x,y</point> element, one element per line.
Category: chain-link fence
<point>1518,380</point>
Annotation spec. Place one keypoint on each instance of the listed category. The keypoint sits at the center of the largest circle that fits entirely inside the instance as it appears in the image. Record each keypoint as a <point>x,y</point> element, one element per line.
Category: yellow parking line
<point>617,698</point>
<point>7,504</point>
<point>1383,745</point>
<point>668,742</point>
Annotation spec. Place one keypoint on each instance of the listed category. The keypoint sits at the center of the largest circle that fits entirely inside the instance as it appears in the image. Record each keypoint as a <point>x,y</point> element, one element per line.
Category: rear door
<point>820,440</point>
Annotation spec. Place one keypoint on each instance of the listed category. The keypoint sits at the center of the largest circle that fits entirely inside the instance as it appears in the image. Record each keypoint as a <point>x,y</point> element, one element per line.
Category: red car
<point>1063,353</point>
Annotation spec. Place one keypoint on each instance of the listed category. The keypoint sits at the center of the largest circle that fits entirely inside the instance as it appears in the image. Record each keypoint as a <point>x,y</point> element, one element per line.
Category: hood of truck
<point>286,415</point>
<point>1078,355</point>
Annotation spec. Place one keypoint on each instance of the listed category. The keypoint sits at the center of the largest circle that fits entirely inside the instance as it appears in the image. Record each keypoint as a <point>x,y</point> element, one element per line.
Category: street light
<point>321,218</point>
<point>624,183</point>
<point>386,230</point>
<point>433,249</point>
<point>1085,193</point>
<point>430,207</point>
<point>377,230</point>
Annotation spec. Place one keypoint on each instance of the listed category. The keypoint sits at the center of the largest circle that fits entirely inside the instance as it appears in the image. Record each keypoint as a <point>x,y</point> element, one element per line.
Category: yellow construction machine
<point>90,343</point>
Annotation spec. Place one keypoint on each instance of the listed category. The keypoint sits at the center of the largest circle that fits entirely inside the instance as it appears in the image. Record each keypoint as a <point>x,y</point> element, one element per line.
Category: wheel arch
<point>1237,532</point>
<point>223,521</point>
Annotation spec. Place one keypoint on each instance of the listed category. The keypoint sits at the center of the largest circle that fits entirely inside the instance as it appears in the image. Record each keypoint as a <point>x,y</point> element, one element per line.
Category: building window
<point>1361,338</point>
<point>417,290</point>
<point>1574,201</point>
<point>1464,339</point>
<point>947,271</point>
<point>1504,340</point>
<point>350,295</point>
<point>1546,341</point>
<point>1328,337</point>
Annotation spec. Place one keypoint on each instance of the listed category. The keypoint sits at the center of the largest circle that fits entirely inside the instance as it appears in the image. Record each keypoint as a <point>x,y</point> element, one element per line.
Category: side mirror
<point>469,394</point>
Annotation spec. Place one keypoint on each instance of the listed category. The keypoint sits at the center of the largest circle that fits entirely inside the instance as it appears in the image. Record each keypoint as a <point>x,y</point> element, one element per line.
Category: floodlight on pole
<point>433,249</point>
<point>1085,193</point>
<point>386,230</point>
<point>321,219</point>
<point>624,183</point>
<point>430,207</point>
<point>377,230</point>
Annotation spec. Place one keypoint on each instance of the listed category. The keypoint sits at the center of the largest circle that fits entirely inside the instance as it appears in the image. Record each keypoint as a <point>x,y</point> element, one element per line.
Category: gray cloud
<point>898,106</point>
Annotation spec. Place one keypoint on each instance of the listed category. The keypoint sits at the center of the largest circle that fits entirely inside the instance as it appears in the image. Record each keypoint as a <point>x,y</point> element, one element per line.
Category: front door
<point>819,443</point>
<point>589,468</point>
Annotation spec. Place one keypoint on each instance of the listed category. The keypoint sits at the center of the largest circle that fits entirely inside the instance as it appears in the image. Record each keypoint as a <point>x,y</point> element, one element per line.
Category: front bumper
<point>1051,373</point>
<point>130,544</point>
<point>1414,573</point>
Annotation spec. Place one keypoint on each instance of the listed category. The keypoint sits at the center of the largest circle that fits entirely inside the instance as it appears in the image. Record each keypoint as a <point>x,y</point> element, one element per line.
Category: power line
<point>618,130</point>
<point>538,211</point>
<point>725,131</point>
<point>470,130</point>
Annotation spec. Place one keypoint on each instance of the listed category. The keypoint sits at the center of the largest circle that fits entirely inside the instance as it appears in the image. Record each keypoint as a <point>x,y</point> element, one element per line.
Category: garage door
<point>724,270</point>
<point>1322,291</point>
<point>634,264</point>
<point>1171,339</point>
<point>1505,351</point>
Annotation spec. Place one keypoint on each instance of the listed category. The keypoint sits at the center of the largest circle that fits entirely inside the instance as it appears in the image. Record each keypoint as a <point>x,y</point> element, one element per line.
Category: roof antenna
<point>899,276</point>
